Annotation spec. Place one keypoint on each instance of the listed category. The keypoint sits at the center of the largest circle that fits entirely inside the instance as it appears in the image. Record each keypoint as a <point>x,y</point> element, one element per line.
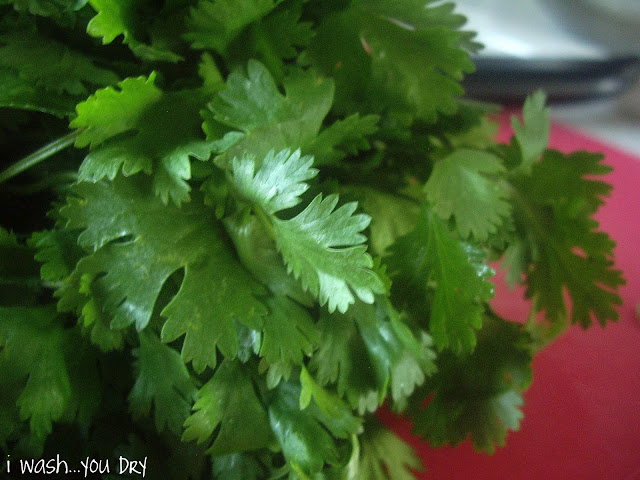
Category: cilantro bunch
<point>234,229</point>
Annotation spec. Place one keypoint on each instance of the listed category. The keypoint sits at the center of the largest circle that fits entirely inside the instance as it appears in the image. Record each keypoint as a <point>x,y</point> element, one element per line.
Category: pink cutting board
<point>582,412</point>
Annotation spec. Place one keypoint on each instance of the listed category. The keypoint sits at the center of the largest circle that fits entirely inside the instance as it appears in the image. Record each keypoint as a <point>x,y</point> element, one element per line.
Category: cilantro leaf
<point>16,93</point>
<point>392,216</point>
<point>60,10</point>
<point>42,74</point>
<point>335,413</point>
<point>215,24</point>
<point>33,346</point>
<point>381,54</point>
<point>164,131</point>
<point>229,400</point>
<point>342,138</point>
<point>137,244</point>
<point>302,434</point>
<point>431,261</point>
<point>278,182</point>
<point>269,120</point>
<point>559,246</point>
<point>257,252</point>
<point>161,379</point>
<point>479,394</point>
<point>400,361</point>
<point>236,466</point>
<point>275,40</point>
<point>480,203</point>
<point>58,251</point>
<point>340,359</point>
<point>19,279</point>
<point>288,333</point>
<point>384,456</point>
<point>272,121</point>
<point>50,65</point>
<point>371,338</point>
<point>121,17</point>
<point>320,245</point>
<point>532,134</point>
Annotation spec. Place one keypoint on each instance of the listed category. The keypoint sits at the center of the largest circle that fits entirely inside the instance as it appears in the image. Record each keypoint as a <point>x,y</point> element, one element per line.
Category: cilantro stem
<point>266,222</point>
<point>38,156</point>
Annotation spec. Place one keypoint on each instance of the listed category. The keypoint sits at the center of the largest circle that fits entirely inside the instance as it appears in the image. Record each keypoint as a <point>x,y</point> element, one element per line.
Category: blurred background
<point>584,53</point>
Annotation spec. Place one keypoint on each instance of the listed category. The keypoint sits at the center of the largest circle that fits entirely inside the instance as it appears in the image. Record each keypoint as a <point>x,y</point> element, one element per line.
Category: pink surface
<point>582,412</point>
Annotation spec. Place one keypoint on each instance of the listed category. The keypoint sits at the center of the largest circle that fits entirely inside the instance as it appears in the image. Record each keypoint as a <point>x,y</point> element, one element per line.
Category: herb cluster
<point>233,229</point>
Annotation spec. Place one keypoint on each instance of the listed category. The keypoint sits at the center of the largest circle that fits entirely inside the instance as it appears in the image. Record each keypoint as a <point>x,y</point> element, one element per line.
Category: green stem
<point>38,156</point>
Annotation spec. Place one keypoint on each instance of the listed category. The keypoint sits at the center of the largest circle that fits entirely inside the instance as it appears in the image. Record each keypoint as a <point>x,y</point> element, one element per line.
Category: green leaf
<point>382,53</point>
<point>332,411</point>
<point>229,400</point>
<point>480,203</point>
<point>164,132</point>
<point>392,216</point>
<point>122,17</point>
<point>237,466</point>
<point>399,360</point>
<point>278,182</point>
<point>19,275</point>
<point>162,380</point>
<point>215,24</point>
<point>478,395</point>
<point>137,244</point>
<point>342,138</point>
<point>58,251</point>
<point>33,346</point>
<point>305,442</point>
<point>257,252</point>
<point>559,247</point>
<point>275,40</point>
<point>341,358</point>
<point>60,10</point>
<point>269,120</point>
<point>384,456</point>
<point>532,134</point>
<point>371,338</point>
<point>431,261</point>
<point>320,245</point>
<point>289,333</point>
<point>16,93</point>
<point>47,64</point>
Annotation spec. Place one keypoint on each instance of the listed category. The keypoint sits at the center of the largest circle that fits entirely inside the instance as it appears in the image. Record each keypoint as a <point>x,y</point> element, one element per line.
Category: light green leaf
<point>322,246</point>
<point>465,184</point>
<point>278,182</point>
<point>533,133</point>
<point>164,132</point>
<point>121,17</point>
<point>384,456</point>
<point>268,119</point>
